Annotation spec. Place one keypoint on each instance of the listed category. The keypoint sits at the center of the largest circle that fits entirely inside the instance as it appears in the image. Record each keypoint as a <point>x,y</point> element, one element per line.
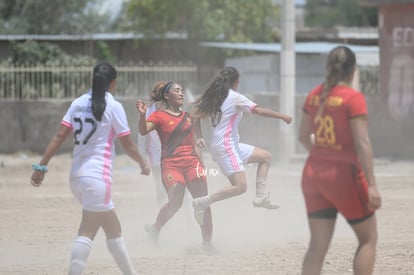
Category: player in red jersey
<point>338,175</point>
<point>181,161</point>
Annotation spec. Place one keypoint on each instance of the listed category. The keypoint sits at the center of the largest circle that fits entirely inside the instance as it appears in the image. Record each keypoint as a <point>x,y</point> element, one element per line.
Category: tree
<point>230,20</point>
<point>34,53</point>
<point>50,17</point>
<point>329,13</point>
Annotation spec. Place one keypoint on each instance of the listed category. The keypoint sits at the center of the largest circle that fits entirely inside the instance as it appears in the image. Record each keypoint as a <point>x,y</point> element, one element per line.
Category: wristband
<point>41,168</point>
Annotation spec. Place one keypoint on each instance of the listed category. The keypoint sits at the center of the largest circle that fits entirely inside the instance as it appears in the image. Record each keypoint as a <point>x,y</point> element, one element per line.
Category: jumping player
<point>95,119</point>
<point>338,175</point>
<point>225,106</point>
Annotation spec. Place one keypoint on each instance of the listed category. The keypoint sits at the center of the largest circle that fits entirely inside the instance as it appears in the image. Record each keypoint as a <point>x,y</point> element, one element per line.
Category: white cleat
<point>265,202</point>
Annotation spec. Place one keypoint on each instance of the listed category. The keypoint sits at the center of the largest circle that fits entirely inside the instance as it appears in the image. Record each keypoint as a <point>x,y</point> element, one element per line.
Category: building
<point>396,41</point>
<point>395,104</point>
<point>264,75</point>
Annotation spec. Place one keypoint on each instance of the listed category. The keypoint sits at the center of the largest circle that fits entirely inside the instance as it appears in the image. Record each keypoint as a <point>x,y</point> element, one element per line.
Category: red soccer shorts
<point>184,170</point>
<point>330,187</point>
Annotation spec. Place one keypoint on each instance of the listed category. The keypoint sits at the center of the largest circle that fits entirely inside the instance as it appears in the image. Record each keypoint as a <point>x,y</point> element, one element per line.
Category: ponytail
<point>103,75</point>
<point>98,96</point>
<point>340,67</point>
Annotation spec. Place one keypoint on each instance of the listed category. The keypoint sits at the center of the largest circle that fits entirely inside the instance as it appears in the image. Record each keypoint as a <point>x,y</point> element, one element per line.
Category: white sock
<point>204,202</point>
<point>260,187</point>
<point>119,252</point>
<point>80,252</point>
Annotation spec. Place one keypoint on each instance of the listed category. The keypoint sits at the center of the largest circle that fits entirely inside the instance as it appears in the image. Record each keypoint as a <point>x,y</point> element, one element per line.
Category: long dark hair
<point>340,66</point>
<point>209,103</point>
<point>103,74</point>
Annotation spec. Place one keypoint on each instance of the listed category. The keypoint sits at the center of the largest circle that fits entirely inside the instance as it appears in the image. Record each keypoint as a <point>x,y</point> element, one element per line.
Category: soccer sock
<point>204,202</point>
<point>120,254</point>
<point>80,252</point>
<point>260,187</point>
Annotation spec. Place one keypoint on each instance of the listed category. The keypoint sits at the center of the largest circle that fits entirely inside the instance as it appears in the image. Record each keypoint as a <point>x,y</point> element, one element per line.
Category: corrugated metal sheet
<point>384,2</point>
<point>86,37</point>
<point>300,47</point>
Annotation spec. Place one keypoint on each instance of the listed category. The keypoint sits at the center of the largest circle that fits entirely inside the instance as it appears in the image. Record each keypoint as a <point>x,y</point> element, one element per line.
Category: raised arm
<point>144,127</point>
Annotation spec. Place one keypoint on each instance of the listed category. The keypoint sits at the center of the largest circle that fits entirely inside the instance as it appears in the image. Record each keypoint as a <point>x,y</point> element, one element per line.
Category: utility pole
<point>287,81</point>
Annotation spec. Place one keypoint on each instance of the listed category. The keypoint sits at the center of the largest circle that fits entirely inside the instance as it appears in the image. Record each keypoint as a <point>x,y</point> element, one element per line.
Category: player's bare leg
<point>175,200</point>
<point>367,235</point>
<point>321,231</point>
<point>263,159</point>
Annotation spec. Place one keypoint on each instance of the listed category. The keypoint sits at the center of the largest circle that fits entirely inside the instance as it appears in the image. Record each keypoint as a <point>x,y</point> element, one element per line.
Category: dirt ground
<point>38,225</point>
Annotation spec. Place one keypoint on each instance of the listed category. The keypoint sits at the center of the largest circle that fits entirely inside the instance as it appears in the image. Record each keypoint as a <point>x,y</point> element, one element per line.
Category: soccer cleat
<point>198,212</point>
<point>153,232</point>
<point>265,202</point>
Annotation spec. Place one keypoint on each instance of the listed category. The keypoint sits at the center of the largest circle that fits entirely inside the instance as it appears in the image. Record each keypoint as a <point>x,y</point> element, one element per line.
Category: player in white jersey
<point>225,107</point>
<point>95,119</point>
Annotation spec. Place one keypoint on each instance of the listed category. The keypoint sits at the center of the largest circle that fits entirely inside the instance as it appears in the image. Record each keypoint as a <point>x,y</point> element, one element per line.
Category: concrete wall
<point>261,72</point>
<point>29,125</point>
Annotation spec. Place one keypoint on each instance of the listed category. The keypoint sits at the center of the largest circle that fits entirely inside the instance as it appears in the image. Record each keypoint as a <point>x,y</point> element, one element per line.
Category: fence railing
<point>20,82</point>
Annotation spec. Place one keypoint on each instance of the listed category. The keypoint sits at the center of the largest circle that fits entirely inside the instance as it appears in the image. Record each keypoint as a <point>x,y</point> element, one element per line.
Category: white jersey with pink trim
<point>225,135</point>
<point>94,150</point>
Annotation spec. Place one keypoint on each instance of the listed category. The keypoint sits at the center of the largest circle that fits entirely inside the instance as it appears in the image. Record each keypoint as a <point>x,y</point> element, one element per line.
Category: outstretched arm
<point>265,112</point>
<point>51,148</point>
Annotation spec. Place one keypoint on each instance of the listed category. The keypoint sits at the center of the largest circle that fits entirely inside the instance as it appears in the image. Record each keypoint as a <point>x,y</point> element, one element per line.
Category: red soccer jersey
<point>333,136</point>
<point>175,132</point>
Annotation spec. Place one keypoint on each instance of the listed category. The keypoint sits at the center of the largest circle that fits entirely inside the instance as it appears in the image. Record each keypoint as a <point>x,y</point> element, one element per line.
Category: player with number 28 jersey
<point>338,176</point>
<point>333,136</point>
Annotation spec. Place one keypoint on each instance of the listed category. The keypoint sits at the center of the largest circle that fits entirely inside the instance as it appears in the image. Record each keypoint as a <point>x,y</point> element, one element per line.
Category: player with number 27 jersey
<point>333,136</point>
<point>95,160</point>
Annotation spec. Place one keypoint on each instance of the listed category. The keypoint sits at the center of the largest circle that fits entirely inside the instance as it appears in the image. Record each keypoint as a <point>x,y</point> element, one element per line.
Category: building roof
<point>85,37</point>
<point>300,47</point>
<point>385,2</point>
<point>366,55</point>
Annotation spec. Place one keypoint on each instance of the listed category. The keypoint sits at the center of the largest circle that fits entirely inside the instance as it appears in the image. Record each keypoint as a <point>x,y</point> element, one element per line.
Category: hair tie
<point>167,87</point>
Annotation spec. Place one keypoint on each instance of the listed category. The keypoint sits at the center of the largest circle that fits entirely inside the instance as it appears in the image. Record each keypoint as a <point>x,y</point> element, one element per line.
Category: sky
<point>112,6</point>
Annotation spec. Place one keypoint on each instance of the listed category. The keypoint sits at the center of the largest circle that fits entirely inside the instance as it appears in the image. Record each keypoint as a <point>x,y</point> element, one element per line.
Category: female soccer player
<point>181,162</point>
<point>95,119</point>
<point>225,106</point>
<point>338,175</point>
